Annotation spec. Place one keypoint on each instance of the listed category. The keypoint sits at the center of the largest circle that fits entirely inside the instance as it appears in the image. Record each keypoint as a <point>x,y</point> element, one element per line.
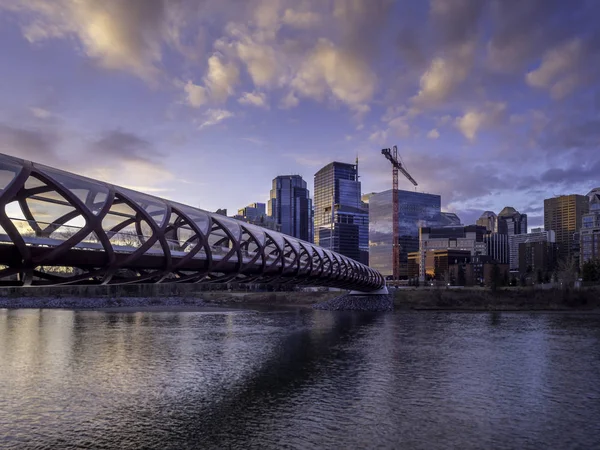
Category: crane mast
<point>392,157</point>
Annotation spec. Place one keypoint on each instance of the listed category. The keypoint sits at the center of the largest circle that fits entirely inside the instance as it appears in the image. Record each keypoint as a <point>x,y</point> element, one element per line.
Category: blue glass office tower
<point>341,221</point>
<point>290,206</point>
<point>415,210</point>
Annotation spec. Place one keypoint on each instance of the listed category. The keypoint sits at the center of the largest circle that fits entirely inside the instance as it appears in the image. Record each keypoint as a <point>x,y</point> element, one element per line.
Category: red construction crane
<point>392,156</point>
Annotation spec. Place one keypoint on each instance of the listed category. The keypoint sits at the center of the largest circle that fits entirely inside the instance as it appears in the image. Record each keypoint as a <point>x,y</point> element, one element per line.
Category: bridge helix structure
<point>59,228</point>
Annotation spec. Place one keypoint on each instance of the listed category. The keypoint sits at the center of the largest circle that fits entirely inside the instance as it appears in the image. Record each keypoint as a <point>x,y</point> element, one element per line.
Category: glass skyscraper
<point>341,221</point>
<point>416,210</point>
<point>290,206</point>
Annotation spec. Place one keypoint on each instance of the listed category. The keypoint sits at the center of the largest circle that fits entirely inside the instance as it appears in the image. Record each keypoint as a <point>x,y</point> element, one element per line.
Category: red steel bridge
<point>60,228</point>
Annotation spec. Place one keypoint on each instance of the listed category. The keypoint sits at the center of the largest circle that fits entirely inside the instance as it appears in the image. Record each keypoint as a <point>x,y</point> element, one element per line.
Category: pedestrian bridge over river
<point>60,228</point>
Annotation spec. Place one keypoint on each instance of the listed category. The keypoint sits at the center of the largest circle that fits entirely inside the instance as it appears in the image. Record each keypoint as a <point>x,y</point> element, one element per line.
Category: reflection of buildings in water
<point>36,343</point>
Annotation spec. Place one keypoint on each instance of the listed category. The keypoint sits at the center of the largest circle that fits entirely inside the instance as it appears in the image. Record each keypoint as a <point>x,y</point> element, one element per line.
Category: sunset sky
<point>491,103</point>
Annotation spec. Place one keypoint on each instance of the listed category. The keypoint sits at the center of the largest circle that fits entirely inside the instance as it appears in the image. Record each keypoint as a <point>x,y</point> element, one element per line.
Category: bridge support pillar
<point>382,291</point>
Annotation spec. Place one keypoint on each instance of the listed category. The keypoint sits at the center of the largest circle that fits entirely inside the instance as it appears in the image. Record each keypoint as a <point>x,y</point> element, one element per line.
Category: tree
<point>461,276</point>
<point>590,270</point>
<point>496,277</point>
<point>567,272</point>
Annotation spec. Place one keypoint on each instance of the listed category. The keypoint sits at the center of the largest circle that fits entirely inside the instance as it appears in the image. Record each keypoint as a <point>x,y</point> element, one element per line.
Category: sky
<point>491,103</point>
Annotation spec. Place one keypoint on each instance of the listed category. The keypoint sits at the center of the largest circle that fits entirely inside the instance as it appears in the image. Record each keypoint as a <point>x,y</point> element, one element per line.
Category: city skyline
<point>486,110</point>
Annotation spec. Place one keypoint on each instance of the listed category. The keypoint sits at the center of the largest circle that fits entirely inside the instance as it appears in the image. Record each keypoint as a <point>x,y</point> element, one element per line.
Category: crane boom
<point>392,156</point>
<point>397,164</point>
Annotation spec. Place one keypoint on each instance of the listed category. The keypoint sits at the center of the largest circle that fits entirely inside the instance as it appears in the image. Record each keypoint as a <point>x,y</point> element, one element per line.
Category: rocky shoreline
<point>364,303</point>
<point>92,303</point>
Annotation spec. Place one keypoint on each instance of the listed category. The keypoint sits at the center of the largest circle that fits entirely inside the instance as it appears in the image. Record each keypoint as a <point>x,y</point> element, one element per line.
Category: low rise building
<point>538,257</point>
<point>516,240</point>
<point>469,239</point>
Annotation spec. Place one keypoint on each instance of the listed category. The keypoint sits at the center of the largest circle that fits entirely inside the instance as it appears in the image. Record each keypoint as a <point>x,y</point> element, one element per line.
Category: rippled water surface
<point>298,379</point>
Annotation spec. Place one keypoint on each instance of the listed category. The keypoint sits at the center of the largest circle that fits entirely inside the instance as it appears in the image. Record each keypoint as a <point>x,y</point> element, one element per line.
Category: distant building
<point>255,214</point>
<point>564,215</point>
<point>470,239</point>
<point>589,235</point>
<point>221,211</point>
<point>537,256</point>
<point>290,206</point>
<point>449,219</point>
<point>498,248</point>
<point>341,223</point>
<point>254,211</point>
<point>516,240</point>
<point>489,220</point>
<point>415,210</point>
<point>511,222</point>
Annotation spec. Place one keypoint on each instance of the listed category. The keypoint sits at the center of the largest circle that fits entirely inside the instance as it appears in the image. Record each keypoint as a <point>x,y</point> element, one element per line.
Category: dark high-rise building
<point>564,215</point>
<point>416,210</point>
<point>589,235</point>
<point>511,223</point>
<point>449,219</point>
<point>497,246</point>
<point>341,223</point>
<point>489,220</point>
<point>290,206</point>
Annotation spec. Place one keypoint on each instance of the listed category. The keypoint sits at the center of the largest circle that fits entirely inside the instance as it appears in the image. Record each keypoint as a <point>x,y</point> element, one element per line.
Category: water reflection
<point>297,379</point>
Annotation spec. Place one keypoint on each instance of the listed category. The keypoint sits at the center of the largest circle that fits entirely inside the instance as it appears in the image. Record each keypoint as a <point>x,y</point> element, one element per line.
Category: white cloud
<point>260,60</point>
<point>40,113</point>
<point>444,75</point>
<point>219,83</point>
<point>558,69</point>
<point>399,127</point>
<point>379,137</point>
<point>300,19</point>
<point>474,119</point>
<point>221,78</point>
<point>258,99</point>
<point>470,123</point>
<point>196,95</point>
<point>289,101</point>
<point>433,134</point>
<point>118,35</point>
<point>329,69</point>
<point>215,116</point>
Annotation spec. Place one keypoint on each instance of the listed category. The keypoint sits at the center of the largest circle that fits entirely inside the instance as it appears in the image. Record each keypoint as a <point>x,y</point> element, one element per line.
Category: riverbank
<point>464,299</point>
<point>504,299</point>
<point>204,300</point>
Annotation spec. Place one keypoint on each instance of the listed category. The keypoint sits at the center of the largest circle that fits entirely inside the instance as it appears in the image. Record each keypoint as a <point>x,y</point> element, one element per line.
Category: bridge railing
<point>50,234</point>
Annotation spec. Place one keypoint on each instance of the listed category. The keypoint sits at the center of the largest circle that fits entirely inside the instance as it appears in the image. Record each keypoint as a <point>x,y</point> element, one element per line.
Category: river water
<point>298,379</point>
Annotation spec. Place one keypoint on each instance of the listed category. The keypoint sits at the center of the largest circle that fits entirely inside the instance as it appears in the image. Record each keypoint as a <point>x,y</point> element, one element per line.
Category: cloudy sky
<point>491,103</point>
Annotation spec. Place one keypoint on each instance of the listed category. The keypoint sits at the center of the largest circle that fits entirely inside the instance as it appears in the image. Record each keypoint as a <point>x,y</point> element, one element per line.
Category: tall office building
<point>341,223</point>
<point>511,222</point>
<point>563,215</point>
<point>416,210</point>
<point>497,247</point>
<point>589,236</point>
<point>489,220</point>
<point>290,206</point>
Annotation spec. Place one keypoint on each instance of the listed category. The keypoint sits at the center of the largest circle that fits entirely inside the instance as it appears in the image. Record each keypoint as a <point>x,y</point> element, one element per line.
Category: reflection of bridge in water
<point>60,228</point>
